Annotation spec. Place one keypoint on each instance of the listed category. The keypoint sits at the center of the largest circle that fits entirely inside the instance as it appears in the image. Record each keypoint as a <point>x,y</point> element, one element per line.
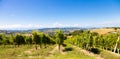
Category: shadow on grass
<point>64,45</point>
<point>68,49</point>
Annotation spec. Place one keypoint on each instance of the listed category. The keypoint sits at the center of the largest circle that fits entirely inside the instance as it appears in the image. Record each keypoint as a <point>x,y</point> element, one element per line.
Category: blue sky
<point>29,14</point>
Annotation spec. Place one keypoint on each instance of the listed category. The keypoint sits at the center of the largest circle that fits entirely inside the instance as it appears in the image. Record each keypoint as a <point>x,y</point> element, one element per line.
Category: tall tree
<point>59,38</point>
<point>19,39</point>
<point>37,38</point>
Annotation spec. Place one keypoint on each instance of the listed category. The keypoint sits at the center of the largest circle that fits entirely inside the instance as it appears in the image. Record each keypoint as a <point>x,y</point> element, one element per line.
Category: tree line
<point>35,38</point>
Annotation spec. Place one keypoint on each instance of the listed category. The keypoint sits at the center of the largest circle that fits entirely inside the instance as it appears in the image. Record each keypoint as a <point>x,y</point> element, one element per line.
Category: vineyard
<point>59,29</point>
<point>83,44</point>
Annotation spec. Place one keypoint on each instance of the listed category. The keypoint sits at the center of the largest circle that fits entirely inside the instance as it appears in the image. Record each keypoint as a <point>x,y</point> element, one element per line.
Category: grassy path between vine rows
<point>51,52</point>
<point>88,53</point>
<point>68,53</point>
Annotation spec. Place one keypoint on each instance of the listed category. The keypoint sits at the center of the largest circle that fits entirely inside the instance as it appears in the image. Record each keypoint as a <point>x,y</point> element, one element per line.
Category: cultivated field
<point>104,30</point>
<point>77,45</point>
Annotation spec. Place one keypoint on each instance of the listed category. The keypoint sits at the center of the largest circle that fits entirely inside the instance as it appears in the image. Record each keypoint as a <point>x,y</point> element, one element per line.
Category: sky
<point>31,14</point>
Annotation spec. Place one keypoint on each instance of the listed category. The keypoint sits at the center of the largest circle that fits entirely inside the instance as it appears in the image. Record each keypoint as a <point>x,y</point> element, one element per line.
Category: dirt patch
<point>56,49</point>
<point>29,51</point>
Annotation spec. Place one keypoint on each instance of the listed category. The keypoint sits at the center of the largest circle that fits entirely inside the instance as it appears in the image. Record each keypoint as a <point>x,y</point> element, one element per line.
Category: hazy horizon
<point>32,14</point>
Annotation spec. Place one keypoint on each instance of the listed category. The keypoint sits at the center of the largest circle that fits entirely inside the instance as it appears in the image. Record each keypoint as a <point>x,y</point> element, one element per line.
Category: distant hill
<point>63,29</point>
<point>66,29</point>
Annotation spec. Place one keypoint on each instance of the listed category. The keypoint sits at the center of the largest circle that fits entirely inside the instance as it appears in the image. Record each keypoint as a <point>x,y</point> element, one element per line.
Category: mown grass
<point>109,55</point>
<point>40,53</point>
<point>10,52</point>
<point>71,53</point>
<point>19,52</point>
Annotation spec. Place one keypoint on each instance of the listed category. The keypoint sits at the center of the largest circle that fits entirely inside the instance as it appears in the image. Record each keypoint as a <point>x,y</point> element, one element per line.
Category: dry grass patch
<point>104,30</point>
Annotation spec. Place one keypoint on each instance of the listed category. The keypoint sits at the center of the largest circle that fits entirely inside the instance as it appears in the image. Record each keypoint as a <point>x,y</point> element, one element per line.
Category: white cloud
<point>35,26</point>
<point>20,26</point>
<point>57,24</point>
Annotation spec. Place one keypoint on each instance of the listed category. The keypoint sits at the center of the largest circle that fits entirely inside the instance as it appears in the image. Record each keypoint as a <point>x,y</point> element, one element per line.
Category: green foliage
<point>91,41</point>
<point>29,40</point>
<point>1,39</point>
<point>60,37</point>
<point>85,39</point>
<point>88,40</point>
<point>77,32</point>
<point>41,38</point>
<point>19,39</point>
<point>46,39</point>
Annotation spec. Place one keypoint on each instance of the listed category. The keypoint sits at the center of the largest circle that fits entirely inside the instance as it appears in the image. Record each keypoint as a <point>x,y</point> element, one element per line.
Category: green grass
<point>19,52</point>
<point>39,54</point>
<point>73,54</point>
<point>108,55</point>
<point>10,52</point>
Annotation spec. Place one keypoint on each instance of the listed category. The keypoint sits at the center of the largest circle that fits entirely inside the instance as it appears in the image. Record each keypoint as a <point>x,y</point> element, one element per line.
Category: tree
<point>29,40</point>
<point>115,28</point>
<point>1,39</point>
<point>37,38</point>
<point>6,40</point>
<point>19,39</point>
<point>45,39</point>
<point>59,38</point>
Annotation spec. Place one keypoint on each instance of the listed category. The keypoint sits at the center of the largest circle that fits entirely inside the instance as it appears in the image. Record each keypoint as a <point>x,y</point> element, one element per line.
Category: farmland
<point>59,29</point>
<point>104,30</point>
<point>82,44</point>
